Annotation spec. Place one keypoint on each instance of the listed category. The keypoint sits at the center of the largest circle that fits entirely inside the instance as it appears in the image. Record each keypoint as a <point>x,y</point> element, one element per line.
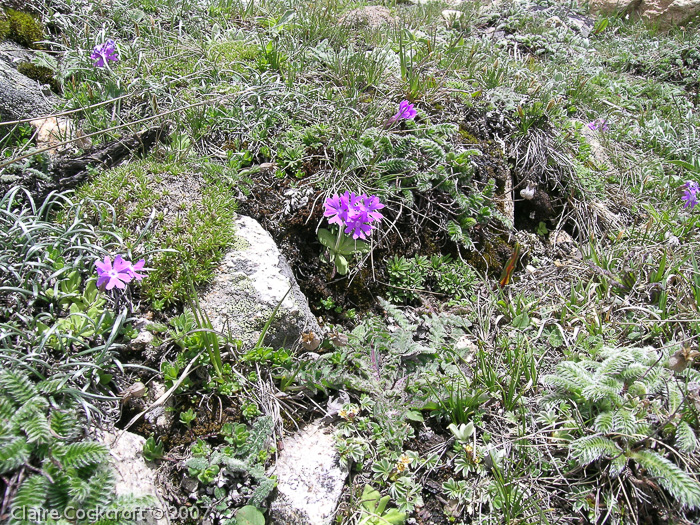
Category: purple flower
<point>103,53</point>
<point>337,209</point>
<point>690,195</point>
<point>113,276</point>
<point>134,267</point>
<point>354,212</point>
<point>599,123</point>
<point>119,274</point>
<point>406,111</point>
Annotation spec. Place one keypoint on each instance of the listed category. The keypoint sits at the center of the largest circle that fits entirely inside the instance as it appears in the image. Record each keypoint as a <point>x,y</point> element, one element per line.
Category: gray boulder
<point>251,281</point>
<point>20,96</point>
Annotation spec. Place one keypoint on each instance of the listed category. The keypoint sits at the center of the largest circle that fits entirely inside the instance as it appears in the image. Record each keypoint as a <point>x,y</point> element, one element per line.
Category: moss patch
<point>192,223</point>
<point>232,54</point>
<point>22,28</point>
<point>39,73</point>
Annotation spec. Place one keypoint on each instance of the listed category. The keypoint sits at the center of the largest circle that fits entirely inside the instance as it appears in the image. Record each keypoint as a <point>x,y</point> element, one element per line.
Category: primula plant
<point>690,194</point>
<point>406,111</point>
<point>104,53</point>
<point>354,216</point>
<point>119,274</point>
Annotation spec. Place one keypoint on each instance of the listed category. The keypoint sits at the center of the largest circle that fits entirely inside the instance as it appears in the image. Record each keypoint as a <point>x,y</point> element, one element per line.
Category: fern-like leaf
<point>588,449</point>
<point>262,491</point>
<point>30,495</point>
<point>7,408</point>
<point>37,429</point>
<point>444,130</point>
<point>64,424</point>
<point>615,364</point>
<point>18,386</point>
<point>432,151</point>
<point>79,489</point>
<point>81,454</point>
<point>625,422</point>
<point>617,465</point>
<point>397,165</point>
<point>607,387</point>
<point>677,482</point>
<point>13,455</point>
<point>51,386</point>
<point>685,438</point>
<point>101,486</point>
<point>604,422</point>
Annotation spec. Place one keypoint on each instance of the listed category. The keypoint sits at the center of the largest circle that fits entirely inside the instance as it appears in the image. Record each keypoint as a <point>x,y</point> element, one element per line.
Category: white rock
<point>133,476</point>
<point>451,16</point>
<point>310,478</point>
<point>251,281</point>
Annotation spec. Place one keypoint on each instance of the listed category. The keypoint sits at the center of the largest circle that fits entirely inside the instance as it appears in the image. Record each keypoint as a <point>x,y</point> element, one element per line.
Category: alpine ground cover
<point>516,340</point>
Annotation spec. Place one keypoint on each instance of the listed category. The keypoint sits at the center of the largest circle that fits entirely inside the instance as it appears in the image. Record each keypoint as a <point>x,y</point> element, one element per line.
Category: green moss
<point>468,137</point>
<point>4,26</point>
<point>232,53</point>
<point>42,74</point>
<point>24,29</point>
<point>192,227</point>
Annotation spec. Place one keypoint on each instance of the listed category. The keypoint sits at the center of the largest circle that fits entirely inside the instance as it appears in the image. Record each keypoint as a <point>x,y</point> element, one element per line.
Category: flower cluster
<point>104,53</point>
<point>599,123</point>
<point>353,212</point>
<point>119,274</point>
<point>690,195</point>
<point>406,111</point>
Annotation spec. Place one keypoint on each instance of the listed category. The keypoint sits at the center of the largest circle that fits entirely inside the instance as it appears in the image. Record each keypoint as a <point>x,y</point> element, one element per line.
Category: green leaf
<point>341,264</point>
<point>71,284</point>
<point>685,438</point>
<point>681,486</point>
<point>414,415</point>
<point>348,246</point>
<point>327,238</point>
<point>249,515</point>
<point>521,320</point>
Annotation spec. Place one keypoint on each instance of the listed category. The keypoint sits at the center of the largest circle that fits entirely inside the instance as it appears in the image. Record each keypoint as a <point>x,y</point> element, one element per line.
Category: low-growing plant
<point>630,405</point>
<point>374,509</point>
<point>153,449</point>
<point>44,454</point>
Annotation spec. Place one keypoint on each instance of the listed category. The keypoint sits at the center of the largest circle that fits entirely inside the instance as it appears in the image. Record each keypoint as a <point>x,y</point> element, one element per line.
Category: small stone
<point>138,389</point>
<point>530,269</point>
<point>141,341</point>
<point>372,16</point>
<point>528,192</point>
<point>451,16</point>
<point>190,485</point>
<point>310,478</point>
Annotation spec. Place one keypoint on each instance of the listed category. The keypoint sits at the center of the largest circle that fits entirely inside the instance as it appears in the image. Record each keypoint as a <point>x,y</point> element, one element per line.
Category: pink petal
<point>120,264</point>
<point>104,266</point>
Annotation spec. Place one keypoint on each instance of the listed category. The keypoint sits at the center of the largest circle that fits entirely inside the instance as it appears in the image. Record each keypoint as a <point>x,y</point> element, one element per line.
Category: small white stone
<point>451,16</point>
<point>529,192</point>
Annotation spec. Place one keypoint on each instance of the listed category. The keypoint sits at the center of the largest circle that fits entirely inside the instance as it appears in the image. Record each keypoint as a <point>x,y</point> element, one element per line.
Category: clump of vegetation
<point>47,460</point>
<point>41,74</point>
<point>23,28</point>
<point>185,225</point>
<point>566,391</point>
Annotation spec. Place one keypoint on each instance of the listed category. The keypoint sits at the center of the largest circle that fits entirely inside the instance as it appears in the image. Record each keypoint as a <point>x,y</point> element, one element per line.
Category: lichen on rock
<point>252,279</point>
